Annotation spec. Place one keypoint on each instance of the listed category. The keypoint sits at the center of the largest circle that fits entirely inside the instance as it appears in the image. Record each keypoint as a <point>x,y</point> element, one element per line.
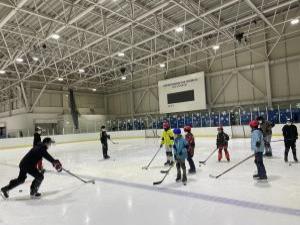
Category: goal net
<point>151,133</point>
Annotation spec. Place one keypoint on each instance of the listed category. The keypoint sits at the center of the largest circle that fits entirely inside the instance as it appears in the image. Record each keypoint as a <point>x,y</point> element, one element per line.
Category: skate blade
<point>2,195</point>
<point>35,197</point>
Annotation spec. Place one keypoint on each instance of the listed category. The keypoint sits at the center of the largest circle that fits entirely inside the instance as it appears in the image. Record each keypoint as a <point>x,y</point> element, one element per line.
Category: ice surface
<point>124,194</point>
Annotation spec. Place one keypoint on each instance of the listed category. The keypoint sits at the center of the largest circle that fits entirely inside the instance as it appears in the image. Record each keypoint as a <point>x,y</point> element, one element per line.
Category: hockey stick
<point>113,142</point>
<point>146,167</point>
<point>277,141</point>
<point>226,171</point>
<point>79,178</point>
<point>162,180</point>
<point>210,155</point>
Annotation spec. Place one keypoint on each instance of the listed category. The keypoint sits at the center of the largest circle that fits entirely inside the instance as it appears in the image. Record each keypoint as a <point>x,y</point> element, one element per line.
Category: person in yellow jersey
<point>168,141</point>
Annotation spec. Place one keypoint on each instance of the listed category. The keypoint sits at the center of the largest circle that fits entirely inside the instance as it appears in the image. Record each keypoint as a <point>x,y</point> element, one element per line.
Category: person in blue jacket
<point>257,146</point>
<point>180,154</point>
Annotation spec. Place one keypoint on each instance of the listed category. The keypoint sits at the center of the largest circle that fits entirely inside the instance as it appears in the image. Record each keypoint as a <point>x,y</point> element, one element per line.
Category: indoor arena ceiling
<point>98,45</point>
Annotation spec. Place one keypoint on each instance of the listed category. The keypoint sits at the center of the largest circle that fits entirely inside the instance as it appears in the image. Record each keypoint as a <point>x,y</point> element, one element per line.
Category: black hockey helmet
<point>48,140</point>
<point>260,118</point>
<point>38,129</point>
<point>102,127</point>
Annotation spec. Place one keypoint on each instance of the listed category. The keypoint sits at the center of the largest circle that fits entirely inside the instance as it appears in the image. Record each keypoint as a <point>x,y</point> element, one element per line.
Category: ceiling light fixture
<point>179,29</point>
<point>2,72</point>
<point>295,21</point>
<point>19,60</point>
<point>123,77</point>
<point>60,79</point>
<point>216,47</point>
<point>35,58</point>
<point>81,70</point>
<point>94,89</point>
<point>55,36</point>
<point>162,65</point>
<point>121,54</point>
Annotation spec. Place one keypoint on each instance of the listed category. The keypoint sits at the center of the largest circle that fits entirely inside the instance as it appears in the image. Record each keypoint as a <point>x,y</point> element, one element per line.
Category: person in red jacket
<point>222,143</point>
<point>189,137</point>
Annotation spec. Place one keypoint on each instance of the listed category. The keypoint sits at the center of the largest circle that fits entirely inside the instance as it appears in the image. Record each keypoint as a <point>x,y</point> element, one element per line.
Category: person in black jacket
<point>36,140</point>
<point>37,136</point>
<point>28,166</point>
<point>290,134</point>
<point>222,143</point>
<point>103,138</point>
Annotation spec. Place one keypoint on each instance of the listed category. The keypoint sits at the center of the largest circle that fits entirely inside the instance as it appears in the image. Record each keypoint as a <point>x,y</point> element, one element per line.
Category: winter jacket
<point>104,136</point>
<point>257,141</point>
<point>36,139</point>
<point>266,128</point>
<point>167,137</point>
<point>189,137</point>
<point>290,132</point>
<point>38,152</point>
<point>222,139</point>
<point>180,148</point>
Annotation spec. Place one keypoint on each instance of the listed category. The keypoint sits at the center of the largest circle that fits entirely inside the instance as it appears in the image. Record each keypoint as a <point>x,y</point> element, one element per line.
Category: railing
<point>236,116</point>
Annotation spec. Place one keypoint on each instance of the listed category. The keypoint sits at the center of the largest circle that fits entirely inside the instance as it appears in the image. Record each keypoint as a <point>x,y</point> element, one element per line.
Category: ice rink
<point>124,193</point>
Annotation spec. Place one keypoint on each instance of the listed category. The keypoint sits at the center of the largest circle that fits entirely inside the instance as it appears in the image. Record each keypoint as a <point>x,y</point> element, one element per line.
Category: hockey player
<point>28,166</point>
<point>180,155</point>
<point>266,127</point>
<point>257,147</point>
<point>222,143</point>
<point>103,138</point>
<point>290,134</point>
<point>36,141</point>
<point>189,137</point>
<point>168,140</point>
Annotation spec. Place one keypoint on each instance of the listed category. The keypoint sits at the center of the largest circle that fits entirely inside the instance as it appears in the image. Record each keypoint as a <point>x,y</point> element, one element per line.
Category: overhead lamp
<point>123,77</point>
<point>179,29</point>
<point>295,21</point>
<point>60,79</point>
<point>2,72</point>
<point>121,54</point>
<point>35,58</point>
<point>55,36</point>
<point>94,89</point>
<point>19,60</point>
<point>216,47</point>
<point>81,70</point>
<point>162,65</point>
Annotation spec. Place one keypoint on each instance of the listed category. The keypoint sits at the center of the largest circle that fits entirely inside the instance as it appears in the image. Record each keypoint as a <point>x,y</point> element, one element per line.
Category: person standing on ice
<point>103,138</point>
<point>189,137</point>
<point>28,166</point>
<point>266,127</point>
<point>222,143</point>
<point>36,140</point>
<point>290,134</point>
<point>180,154</point>
<point>168,140</point>
<point>257,147</point>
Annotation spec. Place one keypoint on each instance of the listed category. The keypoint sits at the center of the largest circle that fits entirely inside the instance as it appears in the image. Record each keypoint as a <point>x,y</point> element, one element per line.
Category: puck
<point>290,164</point>
<point>20,190</point>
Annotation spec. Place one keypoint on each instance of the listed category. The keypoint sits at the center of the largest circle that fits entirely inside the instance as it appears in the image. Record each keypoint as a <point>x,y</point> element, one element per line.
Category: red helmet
<point>220,128</point>
<point>254,124</point>
<point>166,125</point>
<point>187,129</point>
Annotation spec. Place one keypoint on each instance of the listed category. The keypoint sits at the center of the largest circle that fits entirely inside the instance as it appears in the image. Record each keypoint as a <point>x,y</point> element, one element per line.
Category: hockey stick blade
<point>212,176</point>
<point>157,183</point>
<point>164,171</point>
<point>90,181</point>
<point>202,162</point>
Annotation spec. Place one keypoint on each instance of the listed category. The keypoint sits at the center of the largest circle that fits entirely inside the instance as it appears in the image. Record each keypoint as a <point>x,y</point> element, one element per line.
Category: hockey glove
<point>170,146</point>
<point>161,145</point>
<point>57,165</point>
<point>258,144</point>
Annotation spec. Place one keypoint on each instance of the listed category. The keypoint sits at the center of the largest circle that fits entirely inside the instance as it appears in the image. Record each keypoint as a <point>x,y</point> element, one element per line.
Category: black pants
<point>38,179</point>
<point>290,144</point>
<point>261,171</point>
<point>104,149</point>
<point>191,162</point>
<point>180,165</point>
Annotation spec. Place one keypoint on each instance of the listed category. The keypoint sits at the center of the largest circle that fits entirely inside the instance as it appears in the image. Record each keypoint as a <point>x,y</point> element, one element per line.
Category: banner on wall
<point>185,93</point>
